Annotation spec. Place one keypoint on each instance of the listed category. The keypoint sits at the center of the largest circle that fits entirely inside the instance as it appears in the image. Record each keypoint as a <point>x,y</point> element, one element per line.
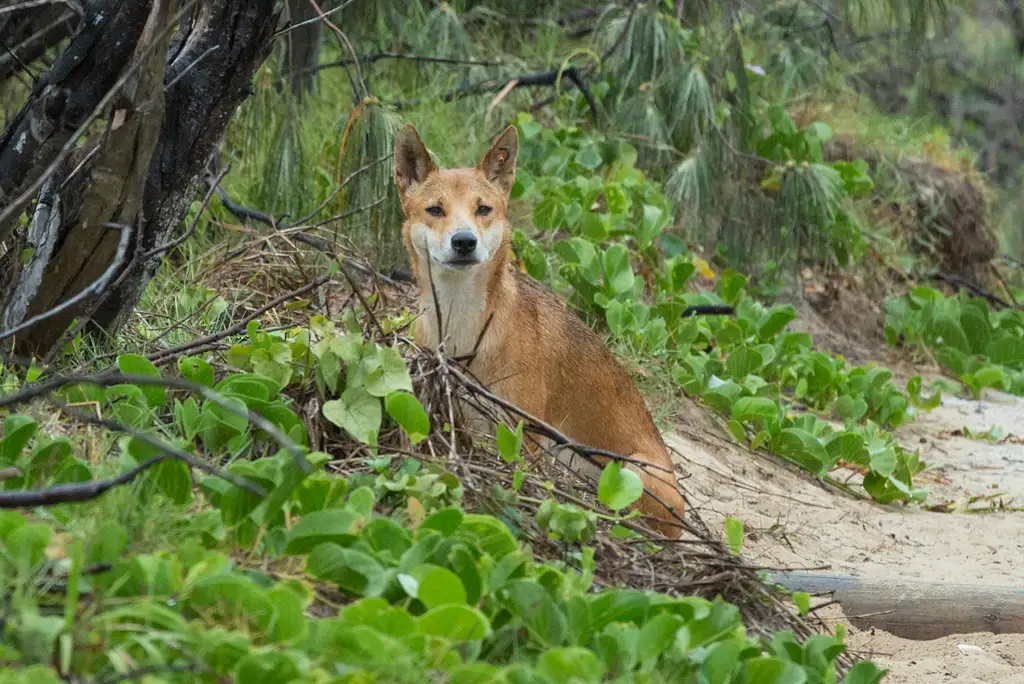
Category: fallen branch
<point>540,78</point>
<point>545,430</point>
<point>589,454</point>
<point>916,610</point>
<point>73,493</point>
<point>169,450</point>
<point>376,57</point>
<point>708,310</point>
<point>80,492</point>
<point>322,16</point>
<point>961,283</point>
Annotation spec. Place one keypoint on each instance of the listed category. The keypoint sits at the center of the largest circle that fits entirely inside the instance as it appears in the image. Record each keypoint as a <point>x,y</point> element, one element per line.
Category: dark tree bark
<point>1013,7</point>
<point>68,93</point>
<point>302,48</point>
<point>212,74</point>
<point>27,34</point>
<point>139,170</point>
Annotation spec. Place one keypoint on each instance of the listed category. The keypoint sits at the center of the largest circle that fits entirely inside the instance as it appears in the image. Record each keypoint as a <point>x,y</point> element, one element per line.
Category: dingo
<point>533,352</point>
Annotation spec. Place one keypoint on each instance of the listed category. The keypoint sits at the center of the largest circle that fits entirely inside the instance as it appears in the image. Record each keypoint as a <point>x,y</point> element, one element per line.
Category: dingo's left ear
<point>499,164</point>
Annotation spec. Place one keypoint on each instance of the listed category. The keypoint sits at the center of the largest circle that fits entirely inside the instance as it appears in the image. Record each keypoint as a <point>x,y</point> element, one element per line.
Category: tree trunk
<point>302,50</point>
<point>1013,7</point>
<point>68,94</point>
<point>100,221</point>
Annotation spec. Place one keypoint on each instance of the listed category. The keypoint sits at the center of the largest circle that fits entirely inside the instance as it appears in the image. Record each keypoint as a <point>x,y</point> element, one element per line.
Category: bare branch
<point>323,17</point>
<point>552,77</point>
<point>168,449</point>
<point>378,56</point>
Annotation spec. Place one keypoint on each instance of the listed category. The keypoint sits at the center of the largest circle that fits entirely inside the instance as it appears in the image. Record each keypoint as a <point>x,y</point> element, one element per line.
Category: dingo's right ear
<point>412,161</point>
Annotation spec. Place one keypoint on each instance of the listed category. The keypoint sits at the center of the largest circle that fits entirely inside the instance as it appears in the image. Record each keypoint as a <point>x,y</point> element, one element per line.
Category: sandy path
<point>792,522</point>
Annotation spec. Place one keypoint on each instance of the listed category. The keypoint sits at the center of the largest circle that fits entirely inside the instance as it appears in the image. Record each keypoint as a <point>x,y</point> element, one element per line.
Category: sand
<point>792,522</point>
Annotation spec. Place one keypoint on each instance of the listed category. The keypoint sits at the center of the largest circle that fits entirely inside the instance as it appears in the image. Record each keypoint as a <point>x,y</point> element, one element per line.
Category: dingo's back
<point>529,349</point>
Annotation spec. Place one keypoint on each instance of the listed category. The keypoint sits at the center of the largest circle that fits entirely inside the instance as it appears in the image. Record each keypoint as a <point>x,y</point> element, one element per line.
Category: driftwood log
<point>916,610</point>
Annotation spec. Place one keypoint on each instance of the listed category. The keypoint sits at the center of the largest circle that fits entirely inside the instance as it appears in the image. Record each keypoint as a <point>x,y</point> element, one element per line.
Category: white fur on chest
<point>461,299</point>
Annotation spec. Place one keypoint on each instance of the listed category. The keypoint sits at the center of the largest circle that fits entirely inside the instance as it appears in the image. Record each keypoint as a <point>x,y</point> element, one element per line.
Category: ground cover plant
<point>980,345</point>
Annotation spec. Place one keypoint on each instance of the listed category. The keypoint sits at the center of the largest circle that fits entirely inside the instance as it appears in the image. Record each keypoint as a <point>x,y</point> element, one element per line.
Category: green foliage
<point>703,112</point>
<point>461,598</point>
<point>614,220</point>
<point>431,592</point>
<point>618,486</point>
<point>734,535</point>
<point>979,346</point>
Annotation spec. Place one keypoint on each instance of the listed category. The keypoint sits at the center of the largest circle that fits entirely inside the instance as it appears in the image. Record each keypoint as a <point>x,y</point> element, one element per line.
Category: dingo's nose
<point>463,242</point>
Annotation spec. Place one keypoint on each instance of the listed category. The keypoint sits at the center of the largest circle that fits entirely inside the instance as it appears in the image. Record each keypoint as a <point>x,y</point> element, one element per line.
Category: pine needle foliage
<point>696,89</point>
<point>701,100</point>
<point>368,207</point>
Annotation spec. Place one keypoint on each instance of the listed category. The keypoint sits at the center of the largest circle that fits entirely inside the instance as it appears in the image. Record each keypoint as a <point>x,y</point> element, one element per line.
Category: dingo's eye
<point>483,210</point>
<point>435,211</point>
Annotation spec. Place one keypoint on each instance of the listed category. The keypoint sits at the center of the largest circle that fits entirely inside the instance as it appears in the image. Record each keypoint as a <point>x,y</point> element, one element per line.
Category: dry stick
<point>584,504</point>
<point>97,286</point>
<point>622,36</point>
<point>376,57</point>
<point>541,78</point>
<point>342,38</point>
<point>192,65</point>
<point>960,283</point>
<point>708,310</point>
<point>547,430</point>
<point>176,324</point>
<point>341,186</point>
<point>21,66</point>
<point>87,491</point>
<point>72,142</point>
<point>28,4</point>
<point>338,217</point>
<point>38,35</point>
<point>359,293</point>
<point>433,293</point>
<point>107,379</point>
<point>73,493</point>
<point>323,17</point>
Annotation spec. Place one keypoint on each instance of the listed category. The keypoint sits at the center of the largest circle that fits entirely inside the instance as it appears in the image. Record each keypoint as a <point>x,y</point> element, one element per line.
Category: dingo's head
<point>457,218</point>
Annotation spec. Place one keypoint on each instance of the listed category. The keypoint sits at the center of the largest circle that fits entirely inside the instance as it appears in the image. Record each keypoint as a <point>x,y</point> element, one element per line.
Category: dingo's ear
<point>412,161</point>
<point>499,164</point>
